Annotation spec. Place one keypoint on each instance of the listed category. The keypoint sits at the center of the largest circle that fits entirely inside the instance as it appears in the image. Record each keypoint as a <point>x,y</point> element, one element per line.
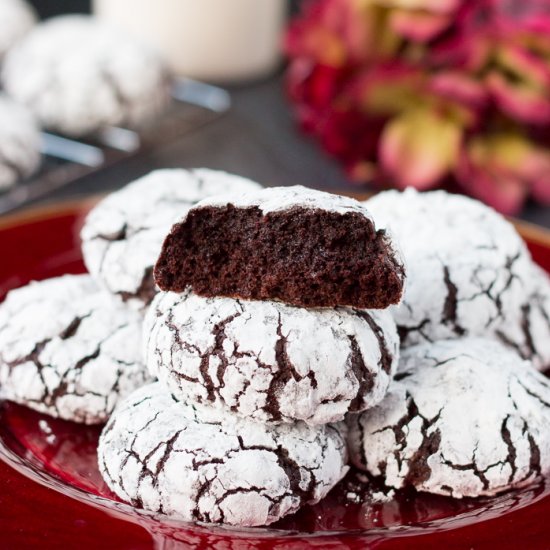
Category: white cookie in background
<point>16,19</point>
<point>78,75</point>
<point>464,418</point>
<point>68,349</point>
<point>268,361</point>
<point>468,270</point>
<point>202,464</point>
<point>20,154</point>
<point>123,234</point>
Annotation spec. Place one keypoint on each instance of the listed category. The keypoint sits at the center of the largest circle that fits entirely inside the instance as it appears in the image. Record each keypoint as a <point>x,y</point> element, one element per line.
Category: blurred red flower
<point>420,92</point>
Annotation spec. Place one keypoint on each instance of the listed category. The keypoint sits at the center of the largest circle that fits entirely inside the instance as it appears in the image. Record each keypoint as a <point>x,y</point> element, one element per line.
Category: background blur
<point>47,8</point>
<point>259,137</point>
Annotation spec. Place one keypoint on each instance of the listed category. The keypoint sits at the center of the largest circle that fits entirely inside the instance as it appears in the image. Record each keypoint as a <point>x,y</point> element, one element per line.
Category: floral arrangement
<point>429,92</point>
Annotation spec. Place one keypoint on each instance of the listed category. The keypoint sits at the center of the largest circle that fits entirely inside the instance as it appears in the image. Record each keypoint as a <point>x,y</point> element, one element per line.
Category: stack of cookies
<point>272,325</point>
<point>70,346</point>
<point>279,333</point>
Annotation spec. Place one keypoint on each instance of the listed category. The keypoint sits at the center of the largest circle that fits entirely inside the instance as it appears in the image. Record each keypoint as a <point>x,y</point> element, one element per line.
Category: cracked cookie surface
<point>530,337</point>
<point>79,75</point>
<point>16,19</point>
<point>270,361</point>
<point>19,143</point>
<point>468,271</point>
<point>68,349</point>
<point>463,418</point>
<point>201,464</point>
<point>122,236</point>
<point>301,246</point>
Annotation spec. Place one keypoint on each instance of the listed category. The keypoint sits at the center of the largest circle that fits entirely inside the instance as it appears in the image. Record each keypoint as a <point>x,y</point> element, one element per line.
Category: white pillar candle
<point>221,40</point>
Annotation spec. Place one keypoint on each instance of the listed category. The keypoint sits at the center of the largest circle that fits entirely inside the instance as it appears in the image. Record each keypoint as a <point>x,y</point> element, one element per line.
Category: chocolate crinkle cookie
<point>200,464</point>
<point>16,19</point>
<point>530,337</point>
<point>19,143</point>
<point>68,349</point>
<point>303,247</point>
<point>270,361</point>
<point>468,271</point>
<point>123,234</point>
<point>79,75</point>
<point>463,418</point>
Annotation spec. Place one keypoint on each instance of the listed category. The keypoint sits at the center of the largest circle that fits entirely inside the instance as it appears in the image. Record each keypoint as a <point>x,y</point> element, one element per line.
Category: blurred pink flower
<point>419,147</point>
<point>502,169</point>
<point>415,92</point>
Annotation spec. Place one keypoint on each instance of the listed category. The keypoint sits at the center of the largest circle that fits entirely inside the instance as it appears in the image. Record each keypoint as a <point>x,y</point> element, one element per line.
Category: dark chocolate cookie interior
<point>304,257</point>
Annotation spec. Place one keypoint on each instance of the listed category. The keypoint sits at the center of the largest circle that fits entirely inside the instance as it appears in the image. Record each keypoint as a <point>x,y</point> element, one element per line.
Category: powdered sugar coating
<point>123,234</point>
<point>468,271</point>
<point>19,143</point>
<point>464,418</point>
<point>79,75</point>
<point>269,361</point>
<point>530,336</point>
<point>16,19</point>
<point>68,349</point>
<point>276,199</point>
<point>200,464</point>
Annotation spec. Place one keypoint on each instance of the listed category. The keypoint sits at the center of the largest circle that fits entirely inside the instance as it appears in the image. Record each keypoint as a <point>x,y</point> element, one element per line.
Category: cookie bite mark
<point>302,255</point>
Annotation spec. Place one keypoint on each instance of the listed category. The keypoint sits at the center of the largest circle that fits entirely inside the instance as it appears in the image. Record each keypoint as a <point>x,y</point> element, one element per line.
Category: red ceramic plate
<point>51,493</point>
